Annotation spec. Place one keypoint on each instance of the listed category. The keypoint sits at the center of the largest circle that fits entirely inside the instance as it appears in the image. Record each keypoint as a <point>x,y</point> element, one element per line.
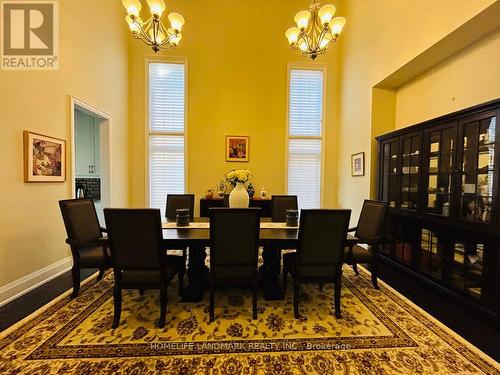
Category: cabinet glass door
<point>390,174</point>
<point>441,150</point>
<point>409,171</point>
<point>476,170</point>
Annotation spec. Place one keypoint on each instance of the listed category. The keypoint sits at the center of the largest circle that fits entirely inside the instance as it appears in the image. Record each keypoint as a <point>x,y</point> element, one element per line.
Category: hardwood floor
<point>479,332</point>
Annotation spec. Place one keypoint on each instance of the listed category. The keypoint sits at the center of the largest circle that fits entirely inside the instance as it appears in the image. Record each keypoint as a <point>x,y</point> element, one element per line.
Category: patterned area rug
<point>380,332</point>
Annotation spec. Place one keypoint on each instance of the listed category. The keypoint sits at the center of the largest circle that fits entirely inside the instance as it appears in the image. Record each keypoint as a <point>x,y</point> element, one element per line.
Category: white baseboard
<point>29,282</point>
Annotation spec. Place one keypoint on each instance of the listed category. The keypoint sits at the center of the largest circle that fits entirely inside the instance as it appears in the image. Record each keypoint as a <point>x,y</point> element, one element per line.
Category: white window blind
<point>166,132</point>
<point>305,136</point>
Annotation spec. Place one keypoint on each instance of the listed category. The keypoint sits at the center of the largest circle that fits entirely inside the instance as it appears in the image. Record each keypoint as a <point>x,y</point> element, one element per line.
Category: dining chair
<point>279,205</point>
<point>234,245</point>
<point>177,201</point>
<point>369,231</point>
<point>138,257</point>
<point>85,237</point>
<point>319,256</point>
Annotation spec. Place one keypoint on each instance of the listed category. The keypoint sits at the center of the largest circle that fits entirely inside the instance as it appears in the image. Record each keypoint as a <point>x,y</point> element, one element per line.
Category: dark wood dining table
<point>198,239</point>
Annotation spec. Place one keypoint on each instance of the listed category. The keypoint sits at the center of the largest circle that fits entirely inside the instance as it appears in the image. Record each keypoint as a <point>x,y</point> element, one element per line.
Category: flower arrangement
<point>238,175</point>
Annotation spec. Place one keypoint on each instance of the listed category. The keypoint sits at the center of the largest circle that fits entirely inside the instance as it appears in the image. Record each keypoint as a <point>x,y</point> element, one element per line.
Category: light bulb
<point>326,13</point>
<point>133,7</point>
<point>303,46</point>
<point>292,34</point>
<point>326,39</point>
<point>176,21</point>
<point>302,19</point>
<point>133,26</point>
<point>157,7</point>
<point>337,25</point>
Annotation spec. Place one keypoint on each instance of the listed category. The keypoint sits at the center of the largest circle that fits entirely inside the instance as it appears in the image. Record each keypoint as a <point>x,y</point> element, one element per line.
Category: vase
<point>239,197</point>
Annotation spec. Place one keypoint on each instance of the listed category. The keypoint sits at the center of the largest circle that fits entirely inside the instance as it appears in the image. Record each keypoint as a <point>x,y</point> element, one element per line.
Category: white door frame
<point>107,175</point>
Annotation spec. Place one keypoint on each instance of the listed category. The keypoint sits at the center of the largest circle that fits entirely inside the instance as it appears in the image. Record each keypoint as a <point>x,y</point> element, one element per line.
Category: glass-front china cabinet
<point>441,181</point>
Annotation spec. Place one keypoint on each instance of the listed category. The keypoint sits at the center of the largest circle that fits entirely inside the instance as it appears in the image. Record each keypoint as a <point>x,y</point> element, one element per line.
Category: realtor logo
<point>29,35</point>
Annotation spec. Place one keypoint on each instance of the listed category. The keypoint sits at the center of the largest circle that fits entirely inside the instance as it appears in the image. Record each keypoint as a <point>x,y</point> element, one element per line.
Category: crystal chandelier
<point>153,32</point>
<point>316,29</point>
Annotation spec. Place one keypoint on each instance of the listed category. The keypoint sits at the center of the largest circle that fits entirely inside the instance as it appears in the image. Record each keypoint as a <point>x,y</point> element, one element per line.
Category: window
<point>166,132</point>
<point>305,135</point>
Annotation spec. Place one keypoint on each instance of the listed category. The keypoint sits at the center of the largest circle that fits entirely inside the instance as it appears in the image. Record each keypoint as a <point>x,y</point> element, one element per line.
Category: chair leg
<point>355,268</point>
<point>321,286</point>
<point>141,291</point>
<point>254,302</point>
<point>285,275</point>
<point>212,304</point>
<point>117,300</point>
<point>336,294</point>
<point>101,274</point>
<point>296,287</point>
<point>75,273</point>
<point>374,272</point>
<point>163,306</point>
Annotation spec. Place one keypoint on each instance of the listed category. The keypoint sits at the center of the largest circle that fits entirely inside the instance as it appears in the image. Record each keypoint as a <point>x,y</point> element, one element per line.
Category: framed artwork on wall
<point>237,148</point>
<point>358,164</point>
<point>44,158</point>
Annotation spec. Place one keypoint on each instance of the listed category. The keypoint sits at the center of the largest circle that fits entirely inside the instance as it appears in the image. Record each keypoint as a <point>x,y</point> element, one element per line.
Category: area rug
<point>380,332</point>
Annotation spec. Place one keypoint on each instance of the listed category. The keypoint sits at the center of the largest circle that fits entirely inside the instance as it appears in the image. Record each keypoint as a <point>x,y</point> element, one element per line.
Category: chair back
<point>135,238</point>
<point>371,221</point>
<point>80,219</point>
<point>279,205</point>
<point>176,201</point>
<point>234,238</point>
<point>322,237</point>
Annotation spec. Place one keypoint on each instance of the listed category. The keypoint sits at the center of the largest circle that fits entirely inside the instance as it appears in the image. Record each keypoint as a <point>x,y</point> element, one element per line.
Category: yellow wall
<point>379,39</point>
<point>237,85</point>
<point>468,78</point>
<point>93,67</point>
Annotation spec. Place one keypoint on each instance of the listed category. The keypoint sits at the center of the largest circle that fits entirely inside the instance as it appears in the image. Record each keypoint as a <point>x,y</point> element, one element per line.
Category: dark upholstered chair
<point>279,205</point>
<point>139,261</point>
<point>320,252</point>
<point>369,231</point>
<point>234,245</point>
<point>176,201</point>
<point>88,247</point>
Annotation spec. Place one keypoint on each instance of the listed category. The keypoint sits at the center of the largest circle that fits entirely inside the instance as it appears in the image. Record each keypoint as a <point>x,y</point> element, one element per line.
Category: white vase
<point>239,197</point>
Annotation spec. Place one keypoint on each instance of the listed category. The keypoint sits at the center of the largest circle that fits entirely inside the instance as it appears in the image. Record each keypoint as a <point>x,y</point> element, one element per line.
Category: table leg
<point>270,271</point>
<point>197,274</point>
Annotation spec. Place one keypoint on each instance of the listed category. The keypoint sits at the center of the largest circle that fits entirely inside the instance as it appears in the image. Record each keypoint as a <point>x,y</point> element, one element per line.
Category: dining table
<point>273,237</point>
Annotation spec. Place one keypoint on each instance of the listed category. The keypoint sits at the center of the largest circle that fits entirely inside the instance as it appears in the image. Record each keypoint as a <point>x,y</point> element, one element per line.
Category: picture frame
<point>358,164</point>
<point>44,158</point>
<point>237,148</point>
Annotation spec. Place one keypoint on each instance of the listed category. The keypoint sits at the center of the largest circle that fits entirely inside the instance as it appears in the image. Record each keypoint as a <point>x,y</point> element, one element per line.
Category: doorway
<point>90,151</point>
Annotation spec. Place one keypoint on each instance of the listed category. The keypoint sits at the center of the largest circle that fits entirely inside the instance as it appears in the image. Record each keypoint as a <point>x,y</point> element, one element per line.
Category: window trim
<point>307,66</point>
<point>147,133</point>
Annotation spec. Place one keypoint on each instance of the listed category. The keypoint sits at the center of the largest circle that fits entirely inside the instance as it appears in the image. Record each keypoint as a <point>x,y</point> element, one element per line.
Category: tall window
<point>166,132</point>
<point>305,135</point>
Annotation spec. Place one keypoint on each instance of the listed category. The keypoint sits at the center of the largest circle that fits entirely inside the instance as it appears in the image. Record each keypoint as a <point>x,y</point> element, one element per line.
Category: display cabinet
<point>441,181</point>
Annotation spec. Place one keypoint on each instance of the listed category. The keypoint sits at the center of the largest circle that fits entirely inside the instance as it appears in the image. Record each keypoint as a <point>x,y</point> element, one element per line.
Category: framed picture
<point>237,148</point>
<point>358,164</point>
<point>44,158</point>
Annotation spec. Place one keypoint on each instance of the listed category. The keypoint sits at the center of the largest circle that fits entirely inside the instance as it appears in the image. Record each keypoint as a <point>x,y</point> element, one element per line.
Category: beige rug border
<point>441,325</point>
<point>41,310</point>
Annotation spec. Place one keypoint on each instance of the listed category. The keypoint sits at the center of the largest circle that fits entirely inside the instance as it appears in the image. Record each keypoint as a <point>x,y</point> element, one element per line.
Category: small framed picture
<point>358,164</point>
<point>44,158</point>
<point>237,148</point>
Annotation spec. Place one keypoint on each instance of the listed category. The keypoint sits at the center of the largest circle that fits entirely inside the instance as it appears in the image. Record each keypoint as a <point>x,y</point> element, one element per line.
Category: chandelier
<point>316,29</point>
<point>153,32</point>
